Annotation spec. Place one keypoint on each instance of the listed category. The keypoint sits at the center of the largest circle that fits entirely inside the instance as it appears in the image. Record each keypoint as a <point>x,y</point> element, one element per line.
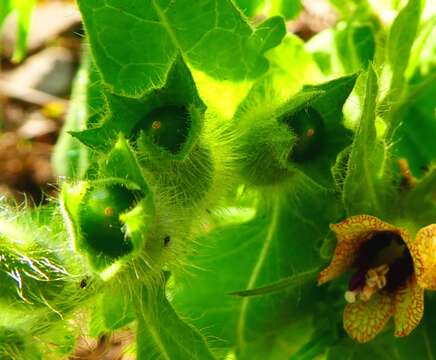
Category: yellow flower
<point>390,274</point>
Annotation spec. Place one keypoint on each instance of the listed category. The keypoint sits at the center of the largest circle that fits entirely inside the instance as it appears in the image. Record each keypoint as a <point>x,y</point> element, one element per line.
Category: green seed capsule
<point>263,150</point>
<point>307,124</point>
<point>99,219</point>
<point>106,220</point>
<point>168,127</point>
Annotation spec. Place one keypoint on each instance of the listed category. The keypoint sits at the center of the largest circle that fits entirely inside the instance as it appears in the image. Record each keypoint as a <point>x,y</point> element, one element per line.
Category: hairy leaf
<point>70,157</point>
<point>361,192</point>
<point>401,38</point>
<point>250,255</point>
<point>356,46</point>
<point>287,283</point>
<point>162,334</point>
<point>211,36</point>
<point>414,138</point>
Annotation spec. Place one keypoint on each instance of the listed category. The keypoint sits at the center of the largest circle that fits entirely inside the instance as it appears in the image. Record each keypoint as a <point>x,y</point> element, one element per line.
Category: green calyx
<point>104,218</point>
<point>167,127</point>
<point>308,126</point>
<point>174,155</point>
<point>187,181</point>
<point>169,132</point>
<point>264,150</point>
<point>276,136</point>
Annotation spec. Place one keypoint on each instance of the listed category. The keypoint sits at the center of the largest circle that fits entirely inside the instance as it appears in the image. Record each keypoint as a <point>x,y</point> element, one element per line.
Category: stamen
<point>350,296</point>
<point>377,277</point>
<point>375,280</point>
<point>367,293</point>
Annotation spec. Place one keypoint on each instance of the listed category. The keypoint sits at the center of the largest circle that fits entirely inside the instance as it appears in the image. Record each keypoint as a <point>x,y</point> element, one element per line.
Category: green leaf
<point>281,241</point>
<point>96,97</point>
<point>70,157</point>
<point>122,163</point>
<point>24,10</point>
<point>93,138</point>
<point>280,346</point>
<point>116,307</point>
<point>414,138</point>
<point>5,9</point>
<point>361,192</point>
<point>162,334</point>
<point>346,349</point>
<point>288,283</point>
<point>422,55</point>
<point>291,66</point>
<point>356,46</point>
<point>420,201</point>
<point>401,37</point>
<point>249,7</point>
<point>290,9</point>
<point>335,93</point>
<point>212,37</point>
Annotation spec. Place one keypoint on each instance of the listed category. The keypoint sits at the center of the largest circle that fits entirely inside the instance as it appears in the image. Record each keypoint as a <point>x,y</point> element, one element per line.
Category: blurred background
<point>35,84</point>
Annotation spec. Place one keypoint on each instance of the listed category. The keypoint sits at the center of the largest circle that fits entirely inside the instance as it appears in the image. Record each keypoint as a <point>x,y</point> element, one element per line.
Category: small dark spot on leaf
<point>83,283</point>
<point>167,240</point>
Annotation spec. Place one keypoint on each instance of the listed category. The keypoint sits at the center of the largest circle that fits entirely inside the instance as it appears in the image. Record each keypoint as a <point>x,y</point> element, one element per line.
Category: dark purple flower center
<point>383,248</point>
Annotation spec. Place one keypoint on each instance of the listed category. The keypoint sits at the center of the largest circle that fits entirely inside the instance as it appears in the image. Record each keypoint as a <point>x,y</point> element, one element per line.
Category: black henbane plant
<point>207,164</point>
